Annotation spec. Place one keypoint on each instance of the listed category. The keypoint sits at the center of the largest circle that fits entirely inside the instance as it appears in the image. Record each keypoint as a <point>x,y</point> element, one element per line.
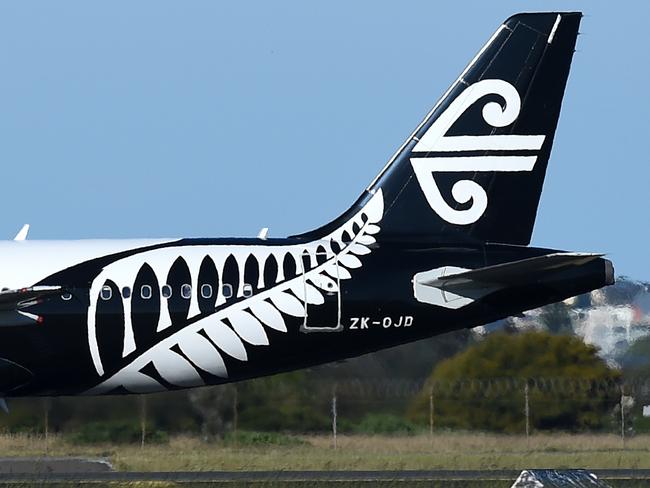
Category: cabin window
<point>126,292</point>
<point>248,290</point>
<point>227,290</point>
<point>206,291</point>
<point>66,296</point>
<point>166,291</point>
<point>186,291</point>
<point>107,292</point>
<point>145,292</point>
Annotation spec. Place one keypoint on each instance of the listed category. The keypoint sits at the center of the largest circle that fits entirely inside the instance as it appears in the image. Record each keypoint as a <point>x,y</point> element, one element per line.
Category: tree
<point>635,364</point>
<point>289,401</point>
<point>570,387</point>
<point>215,405</point>
<point>636,360</point>
<point>556,318</point>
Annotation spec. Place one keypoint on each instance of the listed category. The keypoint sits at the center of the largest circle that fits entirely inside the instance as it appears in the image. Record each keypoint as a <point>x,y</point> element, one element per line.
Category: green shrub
<point>385,424</point>
<point>640,423</point>
<point>252,438</point>
<point>483,386</point>
<point>120,432</point>
<point>284,402</point>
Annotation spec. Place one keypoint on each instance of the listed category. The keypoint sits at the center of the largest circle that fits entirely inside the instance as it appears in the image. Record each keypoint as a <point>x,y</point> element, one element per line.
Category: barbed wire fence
<point>531,394</point>
<point>534,393</point>
<point>621,392</point>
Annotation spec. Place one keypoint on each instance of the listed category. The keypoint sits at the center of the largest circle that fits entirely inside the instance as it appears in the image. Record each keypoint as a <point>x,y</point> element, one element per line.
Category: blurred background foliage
<point>298,401</point>
<point>476,385</point>
<point>537,359</point>
<point>462,381</point>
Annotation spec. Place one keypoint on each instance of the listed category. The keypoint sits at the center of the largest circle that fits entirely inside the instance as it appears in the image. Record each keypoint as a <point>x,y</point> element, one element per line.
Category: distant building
<point>611,318</point>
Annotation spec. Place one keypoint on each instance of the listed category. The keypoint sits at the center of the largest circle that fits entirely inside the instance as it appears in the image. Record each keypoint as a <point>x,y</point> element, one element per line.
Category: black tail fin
<point>474,168</point>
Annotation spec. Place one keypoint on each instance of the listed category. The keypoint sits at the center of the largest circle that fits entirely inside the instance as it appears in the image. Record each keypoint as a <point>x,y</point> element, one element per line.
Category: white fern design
<point>204,343</point>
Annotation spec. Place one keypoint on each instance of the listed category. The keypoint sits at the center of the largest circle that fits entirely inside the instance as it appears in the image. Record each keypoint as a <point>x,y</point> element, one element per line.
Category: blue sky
<point>205,118</point>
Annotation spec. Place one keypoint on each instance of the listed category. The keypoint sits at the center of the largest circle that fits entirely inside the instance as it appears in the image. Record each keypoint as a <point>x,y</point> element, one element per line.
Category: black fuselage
<point>377,310</point>
<point>413,257</point>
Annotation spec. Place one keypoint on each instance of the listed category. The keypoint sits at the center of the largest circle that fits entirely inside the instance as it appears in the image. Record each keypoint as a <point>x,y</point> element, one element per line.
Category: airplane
<point>438,241</point>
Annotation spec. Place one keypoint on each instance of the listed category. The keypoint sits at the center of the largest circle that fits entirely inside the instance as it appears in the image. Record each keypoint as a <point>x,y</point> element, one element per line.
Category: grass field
<point>442,451</point>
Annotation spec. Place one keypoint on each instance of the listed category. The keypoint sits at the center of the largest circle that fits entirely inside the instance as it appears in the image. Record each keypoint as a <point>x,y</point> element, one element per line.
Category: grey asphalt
<point>50,464</point>
<point>283,476</point>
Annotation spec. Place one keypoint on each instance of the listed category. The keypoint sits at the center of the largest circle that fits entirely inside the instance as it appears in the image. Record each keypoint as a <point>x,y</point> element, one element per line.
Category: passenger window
<point>126,292</point>
<point>227,290</point>
<point>248,290</point>
<point>107,292</point>
<point>166,291</point>
<point>66,296</point>
<point>186,291</point>
<point>145,292</point>
<point>206,291</point>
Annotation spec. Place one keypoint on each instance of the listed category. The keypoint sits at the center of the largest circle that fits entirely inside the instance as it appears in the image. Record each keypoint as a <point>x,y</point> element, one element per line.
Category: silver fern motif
<point>203,344</point>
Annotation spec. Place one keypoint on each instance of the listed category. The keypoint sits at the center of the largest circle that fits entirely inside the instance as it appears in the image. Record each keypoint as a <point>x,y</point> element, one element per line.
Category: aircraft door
<point>326,316</point>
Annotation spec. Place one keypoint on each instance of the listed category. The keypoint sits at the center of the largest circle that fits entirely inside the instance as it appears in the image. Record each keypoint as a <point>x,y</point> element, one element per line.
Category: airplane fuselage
<point>152,316</point>
<point>413,257</point>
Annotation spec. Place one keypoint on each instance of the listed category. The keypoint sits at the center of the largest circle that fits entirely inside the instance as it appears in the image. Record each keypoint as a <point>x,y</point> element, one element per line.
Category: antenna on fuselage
<point>22,233</point>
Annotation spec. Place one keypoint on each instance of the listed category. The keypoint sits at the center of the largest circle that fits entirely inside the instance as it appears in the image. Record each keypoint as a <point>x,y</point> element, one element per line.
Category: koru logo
<point>436,140</point>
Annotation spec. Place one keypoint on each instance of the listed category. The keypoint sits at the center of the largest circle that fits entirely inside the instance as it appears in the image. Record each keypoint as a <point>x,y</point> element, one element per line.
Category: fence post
<point>235,417</point>
<point>622,404</point>
<point>334,416</point>
<point>46,423</point>
<point>143,420</point>
<point>527,413</point>
<point>431,406</point>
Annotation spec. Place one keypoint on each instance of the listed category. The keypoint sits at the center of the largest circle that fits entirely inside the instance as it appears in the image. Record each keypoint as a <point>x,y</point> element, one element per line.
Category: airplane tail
<point>473,169</point>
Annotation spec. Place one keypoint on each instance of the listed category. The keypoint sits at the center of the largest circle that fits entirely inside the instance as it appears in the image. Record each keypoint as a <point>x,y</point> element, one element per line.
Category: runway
<point>298,476</point>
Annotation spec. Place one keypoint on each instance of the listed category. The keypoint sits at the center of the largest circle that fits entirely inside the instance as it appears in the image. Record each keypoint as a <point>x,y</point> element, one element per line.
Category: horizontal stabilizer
<point>453,287</point>
<point>513,273</point>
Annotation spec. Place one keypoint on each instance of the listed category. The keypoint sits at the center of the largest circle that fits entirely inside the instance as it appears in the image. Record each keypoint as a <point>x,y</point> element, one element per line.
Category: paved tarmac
<point>284,476</point>
<point>48,464</point>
